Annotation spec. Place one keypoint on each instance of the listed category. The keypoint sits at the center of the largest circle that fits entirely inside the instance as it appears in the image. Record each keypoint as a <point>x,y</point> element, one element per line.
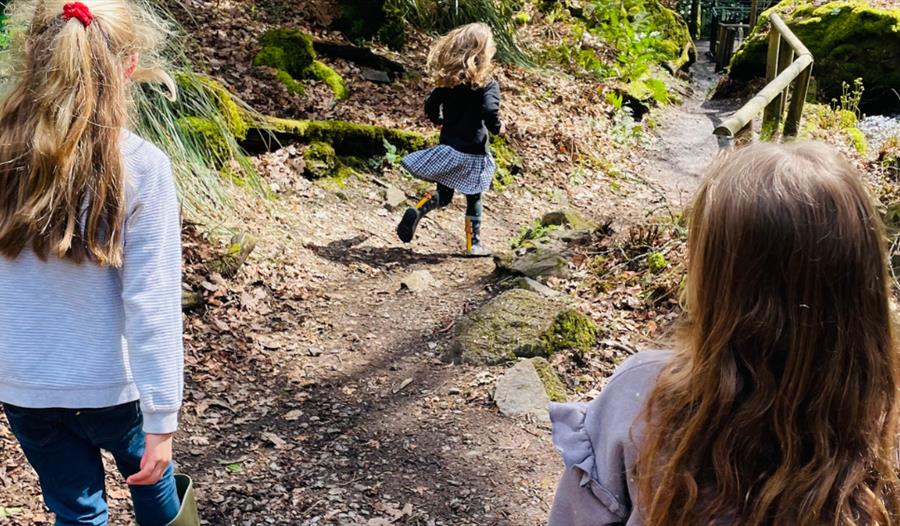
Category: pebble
<point>879,128</point>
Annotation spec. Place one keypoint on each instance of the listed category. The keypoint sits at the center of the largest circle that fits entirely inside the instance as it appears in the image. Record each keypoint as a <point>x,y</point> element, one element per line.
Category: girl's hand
<point>157,457</point>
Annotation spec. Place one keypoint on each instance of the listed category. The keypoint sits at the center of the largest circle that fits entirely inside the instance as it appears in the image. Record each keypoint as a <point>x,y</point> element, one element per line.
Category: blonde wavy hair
<point>463,56</point>
<point>61,115</point>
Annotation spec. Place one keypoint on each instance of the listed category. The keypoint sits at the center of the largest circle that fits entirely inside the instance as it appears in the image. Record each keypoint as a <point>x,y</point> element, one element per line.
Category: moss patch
<point>330,77</point>
<point>207,135</point>
<point>350,138</point>
<point>556,390</point>
<point>571,330</point>
<point>320,160</point>
<point>509,164</point>
<point>286,49</point>
<point>291,53</point>
<point>202,86</point>
<point>290,83</point>
<point>848,39</point>
<point>822,122</point>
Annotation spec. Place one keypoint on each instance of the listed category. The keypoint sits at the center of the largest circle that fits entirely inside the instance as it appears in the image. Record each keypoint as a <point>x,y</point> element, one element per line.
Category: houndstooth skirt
<point>466,173</point>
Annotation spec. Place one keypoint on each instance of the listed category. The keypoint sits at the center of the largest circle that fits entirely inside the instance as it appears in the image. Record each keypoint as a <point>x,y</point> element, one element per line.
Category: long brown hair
<point>780,406</point>
<point>463,56</point>
<point>62,185</point>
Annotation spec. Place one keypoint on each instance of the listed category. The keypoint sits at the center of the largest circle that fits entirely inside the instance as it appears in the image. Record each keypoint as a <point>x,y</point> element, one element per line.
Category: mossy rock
<point>571,330</point>
<point>208,136</point>
<point>556,389</point>
<point>848,39</point>
<point>289,50</point>
<point>320,160</point>
<point>348,138</point>
<point>509,163</point>
<point>568,218</point>
<point>518,323</point>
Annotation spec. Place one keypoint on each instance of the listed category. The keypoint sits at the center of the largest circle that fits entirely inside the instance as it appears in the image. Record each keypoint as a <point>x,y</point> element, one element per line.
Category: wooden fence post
<point>798,99</point>
<point>785,58</point>
<point>772,115</point>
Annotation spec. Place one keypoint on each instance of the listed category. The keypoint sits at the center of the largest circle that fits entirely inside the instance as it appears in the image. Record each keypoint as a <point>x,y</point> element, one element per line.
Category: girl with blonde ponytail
<point>90,262</point>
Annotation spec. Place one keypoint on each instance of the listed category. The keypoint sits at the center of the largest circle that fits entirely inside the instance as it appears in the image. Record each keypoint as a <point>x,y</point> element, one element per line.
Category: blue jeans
<point>63,446</point>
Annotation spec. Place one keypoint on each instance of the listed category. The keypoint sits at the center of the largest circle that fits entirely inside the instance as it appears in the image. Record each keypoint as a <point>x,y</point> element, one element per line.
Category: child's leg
<point>474,210</point>
<point>406,230</point>
<point>70,468</point>
<point>118,430</point>
<point>442,198</point>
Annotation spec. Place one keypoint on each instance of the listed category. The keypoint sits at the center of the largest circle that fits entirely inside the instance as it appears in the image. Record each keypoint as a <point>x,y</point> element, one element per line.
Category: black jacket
<point>466,114</point>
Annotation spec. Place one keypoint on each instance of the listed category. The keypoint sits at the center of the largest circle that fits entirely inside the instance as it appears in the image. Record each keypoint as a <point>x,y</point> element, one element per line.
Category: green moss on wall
<point>848,40</point>
<point>556,390</point>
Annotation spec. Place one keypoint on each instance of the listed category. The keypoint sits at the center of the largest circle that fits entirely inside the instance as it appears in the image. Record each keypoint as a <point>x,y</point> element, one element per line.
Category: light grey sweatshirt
<point>85,336</point>
<point>599,444</point>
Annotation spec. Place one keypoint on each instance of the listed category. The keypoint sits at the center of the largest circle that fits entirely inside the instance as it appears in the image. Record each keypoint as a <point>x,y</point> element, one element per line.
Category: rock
<point>517,323</point>
<point>521,393</point>
<point>535,286</point>
<point>553,386</point>
<point>849,39</point>
<point>541,262</point>
<point>377,76</point>
<point>394,198</point>
<point>569,218</point>
<point>418,281</point>
<point>320,160</point>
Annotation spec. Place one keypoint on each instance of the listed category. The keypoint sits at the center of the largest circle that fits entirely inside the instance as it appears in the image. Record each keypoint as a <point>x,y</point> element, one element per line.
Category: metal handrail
<point>789,63</point>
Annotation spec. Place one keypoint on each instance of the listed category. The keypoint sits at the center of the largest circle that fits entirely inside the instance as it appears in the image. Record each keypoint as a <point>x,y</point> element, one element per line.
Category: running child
<point>90,264</point>
<point>466,104</point>
<point>778,405</point>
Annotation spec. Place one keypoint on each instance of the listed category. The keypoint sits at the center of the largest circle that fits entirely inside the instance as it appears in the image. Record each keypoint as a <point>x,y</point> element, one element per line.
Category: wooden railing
<point>788,70</point>
<point>725,41</point>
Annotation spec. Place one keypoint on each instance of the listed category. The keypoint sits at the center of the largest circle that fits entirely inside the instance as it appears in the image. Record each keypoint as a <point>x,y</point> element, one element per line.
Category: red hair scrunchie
<point>79,11</point>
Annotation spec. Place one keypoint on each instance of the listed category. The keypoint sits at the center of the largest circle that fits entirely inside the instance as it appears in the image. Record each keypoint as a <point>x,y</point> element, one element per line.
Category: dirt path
<point>317,393</point>
<point>687,145</point>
